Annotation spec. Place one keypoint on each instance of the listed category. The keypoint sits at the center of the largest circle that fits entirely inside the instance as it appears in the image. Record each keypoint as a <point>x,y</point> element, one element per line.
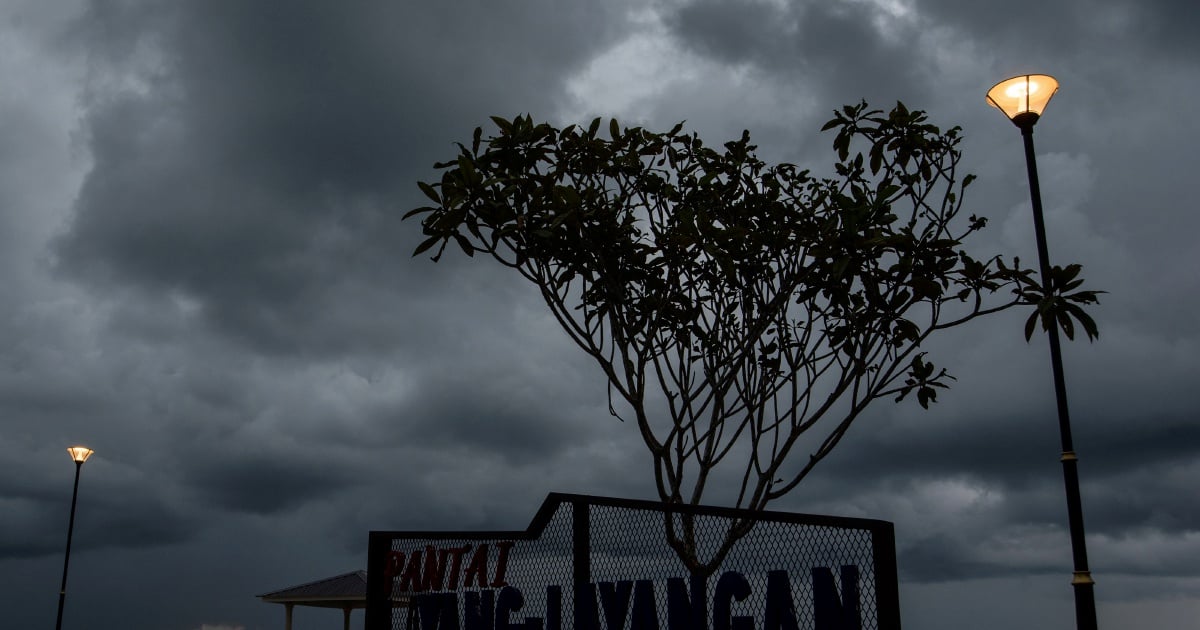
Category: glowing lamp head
<point>80,453</point>
<point>1023,98</point>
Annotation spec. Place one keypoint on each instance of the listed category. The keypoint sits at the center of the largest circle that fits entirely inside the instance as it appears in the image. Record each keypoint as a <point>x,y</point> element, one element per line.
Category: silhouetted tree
<point>735,305</point>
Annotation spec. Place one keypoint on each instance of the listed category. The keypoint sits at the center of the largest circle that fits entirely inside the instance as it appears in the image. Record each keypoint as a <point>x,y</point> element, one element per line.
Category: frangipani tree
<point>735,306</point>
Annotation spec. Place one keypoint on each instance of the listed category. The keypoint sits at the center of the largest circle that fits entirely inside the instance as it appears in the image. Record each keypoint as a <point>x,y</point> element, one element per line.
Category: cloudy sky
<point>206,280</point>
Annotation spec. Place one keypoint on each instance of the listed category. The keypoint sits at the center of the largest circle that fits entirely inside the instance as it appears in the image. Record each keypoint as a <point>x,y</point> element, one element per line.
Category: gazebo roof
<point>348,590</point>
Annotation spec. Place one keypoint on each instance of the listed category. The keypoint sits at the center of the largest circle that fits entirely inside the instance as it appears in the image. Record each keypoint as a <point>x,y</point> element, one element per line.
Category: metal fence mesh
<point>626,541</point>
<point>632,544</point>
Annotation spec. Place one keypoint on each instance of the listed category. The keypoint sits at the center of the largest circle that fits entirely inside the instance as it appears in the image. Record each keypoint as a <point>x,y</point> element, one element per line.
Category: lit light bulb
<point>80,453</point>
<point>1017,90</point>
<point>1021,91</point>
<point>1024,94</point>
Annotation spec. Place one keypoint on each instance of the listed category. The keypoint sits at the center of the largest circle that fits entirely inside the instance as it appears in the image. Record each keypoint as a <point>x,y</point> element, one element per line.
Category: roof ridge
<point>358,573</point>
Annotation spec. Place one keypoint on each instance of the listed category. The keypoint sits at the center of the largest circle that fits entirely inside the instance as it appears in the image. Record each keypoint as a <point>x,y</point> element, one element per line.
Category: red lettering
<point>501,563</point>
<point>395,564</point>
<point>410,581</point>
<point>477,569</point>
<point>434,570</point>
<point>456,556</point>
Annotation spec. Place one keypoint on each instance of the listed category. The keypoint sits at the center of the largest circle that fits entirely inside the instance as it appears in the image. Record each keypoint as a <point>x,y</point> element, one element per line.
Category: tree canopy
<point>735,305</point>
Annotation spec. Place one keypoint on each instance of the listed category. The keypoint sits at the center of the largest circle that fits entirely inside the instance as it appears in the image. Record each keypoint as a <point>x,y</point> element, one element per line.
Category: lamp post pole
<point>1016,98</point>
<point>1084,586</point>
<point>80,455</point>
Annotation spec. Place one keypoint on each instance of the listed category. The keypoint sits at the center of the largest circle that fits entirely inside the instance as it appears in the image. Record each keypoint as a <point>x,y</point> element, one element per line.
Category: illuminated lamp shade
<point>1023,98</point>
<point>80,453</point>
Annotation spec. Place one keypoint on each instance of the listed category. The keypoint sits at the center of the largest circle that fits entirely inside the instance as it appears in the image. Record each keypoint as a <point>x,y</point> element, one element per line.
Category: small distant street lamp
<point>1022,99</point>
<point>79,454</point>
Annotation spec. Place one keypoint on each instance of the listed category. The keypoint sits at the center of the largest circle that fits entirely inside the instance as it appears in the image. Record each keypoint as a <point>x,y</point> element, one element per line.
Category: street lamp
<point>79,454</point>
<point>1022,99</point>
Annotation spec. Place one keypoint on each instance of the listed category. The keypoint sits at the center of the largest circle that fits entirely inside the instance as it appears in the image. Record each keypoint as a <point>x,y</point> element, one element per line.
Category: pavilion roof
<point>337,591</point>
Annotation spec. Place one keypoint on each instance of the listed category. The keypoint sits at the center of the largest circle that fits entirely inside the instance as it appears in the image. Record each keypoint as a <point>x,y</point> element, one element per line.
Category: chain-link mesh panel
<point>530,566</point>
<point>632,544</point>
<point>823,572</point>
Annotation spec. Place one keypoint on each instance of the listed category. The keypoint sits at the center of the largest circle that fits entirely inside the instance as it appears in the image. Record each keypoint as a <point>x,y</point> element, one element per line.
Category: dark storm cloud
<point>1099,30</point>
<point>852,39</point>
<point>807,44</point>
<point>486,404</point>
<point>111,524</point>
<point>27,394</point>
<point>944,558</point>
<point>1170,24</point>
<point>249,165</point>
<point>262,153</point>
<point>489,421</point>
<point>268,479</point>
<point>1001,446</point>
<point>134,518</point>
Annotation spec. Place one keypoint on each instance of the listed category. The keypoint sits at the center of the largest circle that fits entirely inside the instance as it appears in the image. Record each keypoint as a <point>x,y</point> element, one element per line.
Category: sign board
<point>593,563</point>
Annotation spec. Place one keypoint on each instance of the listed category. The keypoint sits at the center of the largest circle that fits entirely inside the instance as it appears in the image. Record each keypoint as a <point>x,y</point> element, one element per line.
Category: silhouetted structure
<point>79,454</point>
<point>347,591</point>
<point>587,563</point>
<point>1021,102</point>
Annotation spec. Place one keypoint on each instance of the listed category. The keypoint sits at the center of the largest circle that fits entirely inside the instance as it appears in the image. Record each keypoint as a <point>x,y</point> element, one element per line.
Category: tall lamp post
<point>1022,99</point>
<point>79,454</point>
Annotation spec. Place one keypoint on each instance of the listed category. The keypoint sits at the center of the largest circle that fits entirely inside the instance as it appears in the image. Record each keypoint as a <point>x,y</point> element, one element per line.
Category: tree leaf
<point>464,244</point>
<point>414,212</point>
<point>426,244</point>
<point>429,192</point>
<point>504,125</point>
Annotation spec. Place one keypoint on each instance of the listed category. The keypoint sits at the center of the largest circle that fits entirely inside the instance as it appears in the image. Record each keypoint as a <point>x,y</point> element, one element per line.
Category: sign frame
<point>381,595</point>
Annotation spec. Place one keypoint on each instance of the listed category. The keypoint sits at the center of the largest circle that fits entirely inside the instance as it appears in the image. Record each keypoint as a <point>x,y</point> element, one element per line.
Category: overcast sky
<point>206,280</point>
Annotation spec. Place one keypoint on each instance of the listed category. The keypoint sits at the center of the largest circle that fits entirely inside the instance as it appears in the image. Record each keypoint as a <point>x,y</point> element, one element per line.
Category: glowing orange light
<point>1027,93</point>
<point>80,453</point>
